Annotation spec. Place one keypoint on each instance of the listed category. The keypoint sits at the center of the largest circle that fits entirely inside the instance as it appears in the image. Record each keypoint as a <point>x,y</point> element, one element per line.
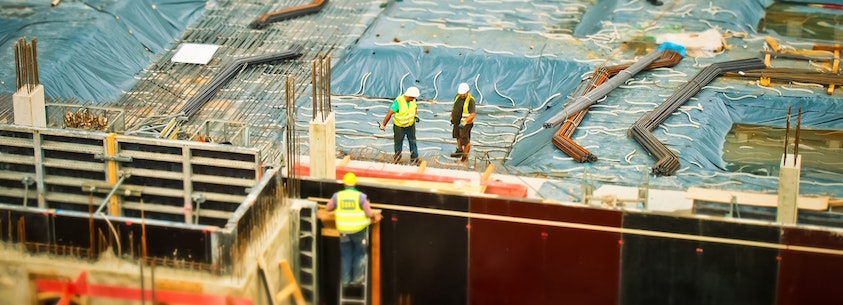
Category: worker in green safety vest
<point>403,123</point>
<point>353,216</point>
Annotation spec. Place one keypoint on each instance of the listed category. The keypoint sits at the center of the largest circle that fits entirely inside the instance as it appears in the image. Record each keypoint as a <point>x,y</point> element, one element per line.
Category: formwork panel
<point>428,253</point>
<point>517,261</point>
<point>678,267</point>
<point>811,275</point>
<point>424,254</point>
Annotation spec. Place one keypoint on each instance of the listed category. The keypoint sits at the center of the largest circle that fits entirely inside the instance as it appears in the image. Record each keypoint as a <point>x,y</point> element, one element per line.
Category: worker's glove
<point>417,119</point>
<point>382,126</point>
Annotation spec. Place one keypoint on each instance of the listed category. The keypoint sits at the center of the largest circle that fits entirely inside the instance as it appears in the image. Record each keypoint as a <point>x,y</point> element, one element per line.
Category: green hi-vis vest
<point>406,112</point>
<point>349,216</point>
<point>465,113</point>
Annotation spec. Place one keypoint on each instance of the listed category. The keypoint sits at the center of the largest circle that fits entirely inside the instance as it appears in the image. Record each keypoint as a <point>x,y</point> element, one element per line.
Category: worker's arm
<point>386,118</point>
<point>365,205</point>
<point>471,111</point>
<point>332,204</point>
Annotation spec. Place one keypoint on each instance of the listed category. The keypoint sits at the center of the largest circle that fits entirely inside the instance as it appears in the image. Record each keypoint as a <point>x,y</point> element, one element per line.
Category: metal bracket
<point>104,187</point>
<point>117,158</point>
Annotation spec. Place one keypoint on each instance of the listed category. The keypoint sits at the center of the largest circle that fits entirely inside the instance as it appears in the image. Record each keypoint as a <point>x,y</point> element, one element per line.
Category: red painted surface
<point>81,287</point>
<point>810,278</point>
<point>492,187</point>
<point>517,263</point>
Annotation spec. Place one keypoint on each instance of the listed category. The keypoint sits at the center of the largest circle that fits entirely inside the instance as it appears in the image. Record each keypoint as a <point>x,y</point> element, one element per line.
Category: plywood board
<point>754,199</point>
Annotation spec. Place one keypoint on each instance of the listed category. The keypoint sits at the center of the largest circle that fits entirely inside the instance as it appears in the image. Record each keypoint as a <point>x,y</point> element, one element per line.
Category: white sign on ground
<point>195,53</point>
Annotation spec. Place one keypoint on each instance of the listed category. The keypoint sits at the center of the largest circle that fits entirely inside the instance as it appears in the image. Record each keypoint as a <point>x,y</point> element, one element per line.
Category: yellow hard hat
<point>349,179</point>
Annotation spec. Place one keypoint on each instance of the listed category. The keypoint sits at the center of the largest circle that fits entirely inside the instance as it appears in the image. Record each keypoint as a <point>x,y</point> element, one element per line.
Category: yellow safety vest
<point>349,216</point>
<point>406,112</point>
<point>465,113</point>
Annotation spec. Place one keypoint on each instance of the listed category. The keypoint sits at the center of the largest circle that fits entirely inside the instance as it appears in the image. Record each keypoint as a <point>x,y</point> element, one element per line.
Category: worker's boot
<point>457,153</point>
<point>655,2</point>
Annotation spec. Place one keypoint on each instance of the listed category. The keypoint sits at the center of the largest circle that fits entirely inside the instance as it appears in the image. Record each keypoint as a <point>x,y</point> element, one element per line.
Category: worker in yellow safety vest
<point>353,216</point>
<point>404,108</point>
<point>462,118</point>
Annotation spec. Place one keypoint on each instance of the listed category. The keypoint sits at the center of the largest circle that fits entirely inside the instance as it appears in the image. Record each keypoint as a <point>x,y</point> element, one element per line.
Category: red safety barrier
<point>81,287</point>
<point>492,187</point>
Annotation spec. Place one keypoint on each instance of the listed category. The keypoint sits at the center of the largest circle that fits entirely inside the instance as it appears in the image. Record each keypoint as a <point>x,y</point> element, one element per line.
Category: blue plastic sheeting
<point>436,45</point>
<point>528,74</point>
<point>91,50</point>
<point>691,16</point>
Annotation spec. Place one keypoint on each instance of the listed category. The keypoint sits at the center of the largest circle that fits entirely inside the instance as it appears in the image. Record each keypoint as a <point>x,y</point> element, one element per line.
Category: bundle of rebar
<point>288,13</point>
<point>26,65</point>
<point>562,138</point>
<point>227,74</point>
<point>667,162</point>
<point>591,97</point>
<point>792,74</point>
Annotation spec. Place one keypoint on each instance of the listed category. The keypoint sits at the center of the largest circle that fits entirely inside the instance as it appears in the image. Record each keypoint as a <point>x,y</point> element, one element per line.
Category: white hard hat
<point>462,89</point>
<point>412,92</point>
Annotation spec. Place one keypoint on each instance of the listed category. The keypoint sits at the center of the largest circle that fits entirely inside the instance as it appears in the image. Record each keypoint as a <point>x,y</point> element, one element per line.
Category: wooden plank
<point>17,159</point>
<point>223,163</point>
<point>17,142</point>
<point>236,199</point>
<point>376,263</point>
<point>17,176</point>
<point>71,147</point>
<point>329,225</point>
<point>178,285</point>
<point>68,181</point>
<point>224,180</point>
<point>152,173</point>
<point>773,44</point>
<point>754,199</point>
<point>73,164</point>
<point>457,187</point>
<point>174,158</point>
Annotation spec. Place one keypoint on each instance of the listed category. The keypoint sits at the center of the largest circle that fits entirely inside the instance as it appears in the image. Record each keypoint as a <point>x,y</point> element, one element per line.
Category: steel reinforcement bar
<point>227,74</point>
<point>288,13</point>
<point>667,162</point>
<point>562,138</point>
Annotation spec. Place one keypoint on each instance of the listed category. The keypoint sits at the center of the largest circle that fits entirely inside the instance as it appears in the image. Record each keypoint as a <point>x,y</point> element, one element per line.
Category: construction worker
<point>404,108</point>
<point>353,217</point>
<point>462,118</point>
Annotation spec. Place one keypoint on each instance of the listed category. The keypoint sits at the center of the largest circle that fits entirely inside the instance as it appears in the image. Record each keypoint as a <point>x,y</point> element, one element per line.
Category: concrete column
<point>834,144</point>
<point>794,28</point>
<point>788,189</point>
<point>323,147</point>
<point>29,107</point>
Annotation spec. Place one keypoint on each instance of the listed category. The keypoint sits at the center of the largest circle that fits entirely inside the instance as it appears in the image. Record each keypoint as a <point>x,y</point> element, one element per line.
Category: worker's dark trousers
<point>410,133</point>
<point>353,250</point>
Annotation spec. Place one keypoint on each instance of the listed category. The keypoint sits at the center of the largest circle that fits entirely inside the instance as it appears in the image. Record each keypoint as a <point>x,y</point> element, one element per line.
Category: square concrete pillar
<point>834,144</point>
<point>323,147</point>
<point>29,107</point>
<point>788,189</point>
<point>794,28</point>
